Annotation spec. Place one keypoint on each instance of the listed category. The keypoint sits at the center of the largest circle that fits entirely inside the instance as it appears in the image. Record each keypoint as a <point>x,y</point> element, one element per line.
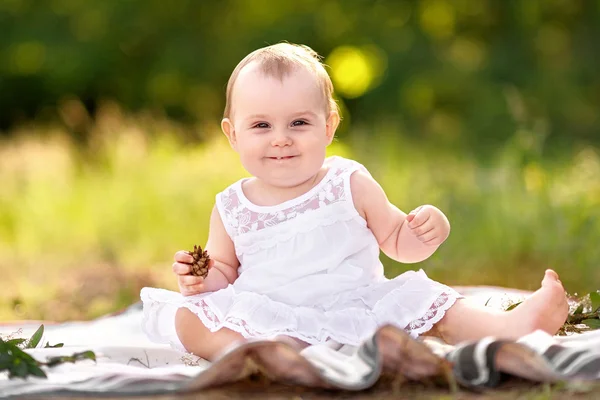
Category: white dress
<point>309,268</point>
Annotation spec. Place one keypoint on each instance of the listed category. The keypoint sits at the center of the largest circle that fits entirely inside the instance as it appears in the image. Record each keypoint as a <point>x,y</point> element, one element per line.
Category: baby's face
<point>279,128</point>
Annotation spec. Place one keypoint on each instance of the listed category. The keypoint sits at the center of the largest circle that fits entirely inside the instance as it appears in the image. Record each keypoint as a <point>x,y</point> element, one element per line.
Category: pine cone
<point>201,260</point>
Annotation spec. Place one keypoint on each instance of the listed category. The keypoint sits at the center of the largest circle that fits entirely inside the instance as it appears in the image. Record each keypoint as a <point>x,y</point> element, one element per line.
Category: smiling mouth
<point>281,158</point>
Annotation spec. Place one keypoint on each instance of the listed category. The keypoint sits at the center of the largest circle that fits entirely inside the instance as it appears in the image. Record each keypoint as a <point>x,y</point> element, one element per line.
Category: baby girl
<point>295,248</point>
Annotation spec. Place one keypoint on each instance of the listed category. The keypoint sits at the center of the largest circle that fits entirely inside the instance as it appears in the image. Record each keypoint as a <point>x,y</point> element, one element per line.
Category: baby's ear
<point>332,123</point>
<point>229,131</point>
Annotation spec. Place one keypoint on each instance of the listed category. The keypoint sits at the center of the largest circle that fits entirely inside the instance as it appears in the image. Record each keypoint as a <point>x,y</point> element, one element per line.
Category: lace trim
<point>212,321</point>
<point>435,313</point>
<point>241,326</point>
<point>210,316</point>
<point>241,219</point>
<point>208,313</point>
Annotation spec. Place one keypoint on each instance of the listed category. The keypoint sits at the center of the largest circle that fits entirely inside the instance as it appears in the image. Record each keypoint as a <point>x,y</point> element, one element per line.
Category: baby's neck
<point>261,193</point>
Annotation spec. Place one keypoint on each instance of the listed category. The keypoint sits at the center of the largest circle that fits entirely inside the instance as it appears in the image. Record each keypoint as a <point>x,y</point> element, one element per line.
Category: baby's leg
<point>546,309</point>
<point>198,339</point>
<point>293,342</point>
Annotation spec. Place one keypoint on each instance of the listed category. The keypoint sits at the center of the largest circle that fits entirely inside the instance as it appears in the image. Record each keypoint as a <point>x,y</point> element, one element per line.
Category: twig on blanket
<point>580,318</point>
<point>191,360</point>
<point>584,314</point>
<point>568,329</point>
<point>147,365</point>
<point>12,335</point>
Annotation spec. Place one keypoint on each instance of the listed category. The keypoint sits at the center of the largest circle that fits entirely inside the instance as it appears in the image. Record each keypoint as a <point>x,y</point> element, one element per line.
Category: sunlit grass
<point>82,230</point>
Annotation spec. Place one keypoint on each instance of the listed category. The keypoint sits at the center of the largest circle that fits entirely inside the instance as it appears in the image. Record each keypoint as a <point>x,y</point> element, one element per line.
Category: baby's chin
<point>285,174</point>
<point>286,179</point>
<point>283,182</point>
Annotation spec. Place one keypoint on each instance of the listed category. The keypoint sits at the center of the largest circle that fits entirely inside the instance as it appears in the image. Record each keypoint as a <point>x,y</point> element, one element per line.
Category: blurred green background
<point>111,155</point>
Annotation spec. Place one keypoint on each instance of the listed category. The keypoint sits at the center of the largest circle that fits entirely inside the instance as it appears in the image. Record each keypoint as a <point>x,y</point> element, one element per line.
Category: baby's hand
<point>188,284</point>
<point>429,225</point>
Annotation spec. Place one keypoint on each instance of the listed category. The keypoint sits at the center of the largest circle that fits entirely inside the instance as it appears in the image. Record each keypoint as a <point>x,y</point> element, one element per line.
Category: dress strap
<point>345,168</point>
<point>227,202</point>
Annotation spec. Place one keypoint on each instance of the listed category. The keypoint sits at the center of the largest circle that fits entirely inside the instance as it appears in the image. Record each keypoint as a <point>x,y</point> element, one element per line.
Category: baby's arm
<point>223,267</point>
<point>391,226</point>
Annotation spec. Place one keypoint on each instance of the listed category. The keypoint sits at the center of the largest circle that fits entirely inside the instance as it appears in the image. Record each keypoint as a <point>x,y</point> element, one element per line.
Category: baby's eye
<point>261,125</point>
<point>299,123</point>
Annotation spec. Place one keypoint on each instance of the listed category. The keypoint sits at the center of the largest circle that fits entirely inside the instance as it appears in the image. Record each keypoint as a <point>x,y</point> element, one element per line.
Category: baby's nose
<point>281,138</point>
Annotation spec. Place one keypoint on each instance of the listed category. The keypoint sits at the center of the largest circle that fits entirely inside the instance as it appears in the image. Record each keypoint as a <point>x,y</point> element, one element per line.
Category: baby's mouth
<point>281,158</point>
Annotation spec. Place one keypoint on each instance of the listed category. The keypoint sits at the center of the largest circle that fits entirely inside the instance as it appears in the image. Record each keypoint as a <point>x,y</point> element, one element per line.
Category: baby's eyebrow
<point>295,115</point>
<point>255,116</point>
<point>309,113</point>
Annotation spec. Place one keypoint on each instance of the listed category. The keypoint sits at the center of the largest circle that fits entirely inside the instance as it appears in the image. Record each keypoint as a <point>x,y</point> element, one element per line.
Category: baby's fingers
<point>191,290</point>
<point>190,280</point>
<point>431,238</point>
<point>183,256</point>
<point>423,229</point>
<point>181,269</point>
<point>435,241</point>
<point>421,216</point>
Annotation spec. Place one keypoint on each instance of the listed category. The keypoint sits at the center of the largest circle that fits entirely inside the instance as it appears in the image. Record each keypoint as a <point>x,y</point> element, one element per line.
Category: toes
<point>550,277</point>
<point>552,273</point>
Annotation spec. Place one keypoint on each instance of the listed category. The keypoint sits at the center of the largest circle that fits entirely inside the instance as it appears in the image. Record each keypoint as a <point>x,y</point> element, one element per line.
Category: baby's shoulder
<point>344,165</point>
<point>363,188</point>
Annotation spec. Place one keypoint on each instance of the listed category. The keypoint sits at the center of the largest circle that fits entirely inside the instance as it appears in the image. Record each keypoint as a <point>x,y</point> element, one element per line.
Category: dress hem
<point>438,317</point>
<point>211,326</point>
<point>249,333</point>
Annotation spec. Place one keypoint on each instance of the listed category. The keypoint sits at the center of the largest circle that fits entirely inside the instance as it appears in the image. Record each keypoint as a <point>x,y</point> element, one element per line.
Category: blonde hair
<point>281,59</point>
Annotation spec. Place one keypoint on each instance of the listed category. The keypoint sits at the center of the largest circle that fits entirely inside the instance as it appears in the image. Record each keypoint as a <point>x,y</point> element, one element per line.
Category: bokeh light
<point>355,70</point>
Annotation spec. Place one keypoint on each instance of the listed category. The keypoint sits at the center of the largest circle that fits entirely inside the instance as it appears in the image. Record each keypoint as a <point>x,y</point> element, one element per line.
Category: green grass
<point>81,230</point>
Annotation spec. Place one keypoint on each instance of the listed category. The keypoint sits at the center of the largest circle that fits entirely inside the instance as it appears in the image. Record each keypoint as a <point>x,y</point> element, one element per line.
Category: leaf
<point>579,309</point>
<point>53,346</point>
<point>595,298</point>
<point>592,323</point>
<point>20,364</point>
<point>35,338</point>
<point>513,306</point>
<point>36,371</point>
<point>18,369</point>
<point>5,361</point>
<point>17,353</point>
<point>89,355</point>
<point>52,361</point>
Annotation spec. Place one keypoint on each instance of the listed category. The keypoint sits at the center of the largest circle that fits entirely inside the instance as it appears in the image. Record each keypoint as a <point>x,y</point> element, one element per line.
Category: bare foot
<point>546,309</point>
